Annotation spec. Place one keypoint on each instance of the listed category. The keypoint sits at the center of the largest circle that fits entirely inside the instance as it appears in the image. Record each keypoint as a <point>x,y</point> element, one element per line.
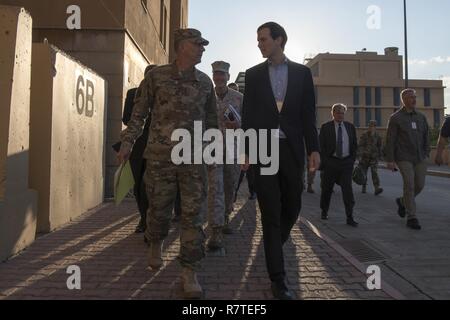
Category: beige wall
<point>336,75</point>
<point>53,14</point>
<point>103,44</point>
<point>17,202</point>
<point>381,70</point>
<point>327,96</point>
<point>68,137</point>
<point>144,27</point>
<point>178,20</point>
<point>345,69</point>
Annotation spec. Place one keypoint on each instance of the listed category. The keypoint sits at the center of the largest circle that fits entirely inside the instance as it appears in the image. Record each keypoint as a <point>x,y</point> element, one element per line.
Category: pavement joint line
<point>386,264</point>
<point>430,172</point>
<point>388,289</point>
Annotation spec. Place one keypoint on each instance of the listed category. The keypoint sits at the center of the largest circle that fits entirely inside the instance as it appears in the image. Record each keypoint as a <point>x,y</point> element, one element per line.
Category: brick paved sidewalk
<point>113,264</point>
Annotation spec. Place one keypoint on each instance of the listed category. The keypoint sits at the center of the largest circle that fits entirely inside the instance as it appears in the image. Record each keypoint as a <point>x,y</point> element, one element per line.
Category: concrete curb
<point>434,173</point>
<point>440,174</point>
<point>388,289</point>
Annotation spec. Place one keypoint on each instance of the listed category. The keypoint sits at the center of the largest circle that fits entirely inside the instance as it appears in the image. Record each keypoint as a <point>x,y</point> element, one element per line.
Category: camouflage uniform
<point>216,197</point>
<point>231,172</point>
<point>176,99</point>
<point>369,152</point>
<point>223,178</point>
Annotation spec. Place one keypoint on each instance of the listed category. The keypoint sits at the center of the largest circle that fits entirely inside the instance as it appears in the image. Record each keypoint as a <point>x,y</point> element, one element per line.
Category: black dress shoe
<point>401,208</point>
<point>413,224</point>
<point>324,215</point>
<point>140,227</point>
<point>281,292</point>
<point>352,222</point>
<point>378,191</point>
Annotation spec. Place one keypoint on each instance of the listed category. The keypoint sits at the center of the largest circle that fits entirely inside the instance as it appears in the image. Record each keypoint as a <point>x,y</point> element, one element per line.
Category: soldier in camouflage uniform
<point>369,152</point>
<point>216,201</point>
<point>229,108</point>
<point>177,95</point>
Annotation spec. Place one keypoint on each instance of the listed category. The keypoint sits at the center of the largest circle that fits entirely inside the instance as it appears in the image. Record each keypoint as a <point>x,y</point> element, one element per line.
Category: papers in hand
<point>123,182</point>
<point>232,115</point>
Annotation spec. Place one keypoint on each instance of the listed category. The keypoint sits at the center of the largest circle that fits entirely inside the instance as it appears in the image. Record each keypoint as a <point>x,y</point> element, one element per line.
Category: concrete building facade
<point>67,133</point>
<point>370,85</point>
<point>117,39</point>
<point>18,203</point>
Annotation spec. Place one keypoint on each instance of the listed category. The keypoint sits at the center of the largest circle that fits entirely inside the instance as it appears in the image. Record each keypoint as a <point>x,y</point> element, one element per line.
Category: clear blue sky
<point>338,26</point>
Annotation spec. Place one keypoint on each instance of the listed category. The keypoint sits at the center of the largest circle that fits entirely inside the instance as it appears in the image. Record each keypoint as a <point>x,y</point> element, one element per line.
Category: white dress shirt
<point>345,140</point>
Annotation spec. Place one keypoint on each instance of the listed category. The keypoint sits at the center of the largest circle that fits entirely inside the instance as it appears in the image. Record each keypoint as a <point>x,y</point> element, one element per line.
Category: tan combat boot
<point>154,255</point>
<point>191,287</point>
<point>216,240</point>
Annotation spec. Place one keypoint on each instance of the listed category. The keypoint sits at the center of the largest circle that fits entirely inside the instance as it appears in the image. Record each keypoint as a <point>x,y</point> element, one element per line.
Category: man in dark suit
<point>338,148</point>
<point>279,96</point>
<point>137,162</point>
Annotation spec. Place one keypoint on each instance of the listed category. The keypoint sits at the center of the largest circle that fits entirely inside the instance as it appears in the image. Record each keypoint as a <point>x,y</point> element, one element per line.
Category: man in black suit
<point>279,96</point>
<point>338,148</point>
<point>137,162</point>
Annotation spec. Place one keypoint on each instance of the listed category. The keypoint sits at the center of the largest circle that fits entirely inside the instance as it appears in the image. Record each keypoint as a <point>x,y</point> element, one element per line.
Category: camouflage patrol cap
<point>187,34</point>
<point>221,66</point>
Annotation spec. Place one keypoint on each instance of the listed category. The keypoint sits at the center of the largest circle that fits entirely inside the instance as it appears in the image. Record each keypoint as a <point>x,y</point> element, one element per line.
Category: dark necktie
<point>340,143</point>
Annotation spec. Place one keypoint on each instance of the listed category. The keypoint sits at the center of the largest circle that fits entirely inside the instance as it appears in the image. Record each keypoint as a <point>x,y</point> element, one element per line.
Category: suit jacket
<point>297,119</point>
<point>328,141</point>
<point>141,142</point>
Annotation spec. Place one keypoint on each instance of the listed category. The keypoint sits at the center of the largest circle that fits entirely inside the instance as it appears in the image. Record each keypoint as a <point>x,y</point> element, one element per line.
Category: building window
<point>397,97</point>
<point>437,118</point>
<point>378,96</point>
<point>356,121</point>
<point>378,117</point>
<point>368,96</point>
<point>163,25</point>
<point>368,116</point>
<point>427,97</point>
<point>356,96</point>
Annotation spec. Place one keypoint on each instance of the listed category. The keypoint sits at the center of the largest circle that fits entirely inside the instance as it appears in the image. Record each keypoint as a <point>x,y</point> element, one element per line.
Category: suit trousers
<point>140,194</point>
<point>280,201</point>
<point>338,171</point>
<point>413,183</point>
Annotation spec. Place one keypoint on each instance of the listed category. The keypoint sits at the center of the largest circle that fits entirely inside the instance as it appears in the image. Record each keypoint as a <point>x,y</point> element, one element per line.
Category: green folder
<point>123,182</point>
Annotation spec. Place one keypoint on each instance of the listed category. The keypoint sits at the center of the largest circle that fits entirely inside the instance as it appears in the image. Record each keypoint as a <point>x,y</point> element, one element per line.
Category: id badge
<point>414,126</point>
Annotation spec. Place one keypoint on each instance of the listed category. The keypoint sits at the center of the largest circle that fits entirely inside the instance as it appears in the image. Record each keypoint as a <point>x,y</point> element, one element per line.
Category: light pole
<point>406,45</point>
